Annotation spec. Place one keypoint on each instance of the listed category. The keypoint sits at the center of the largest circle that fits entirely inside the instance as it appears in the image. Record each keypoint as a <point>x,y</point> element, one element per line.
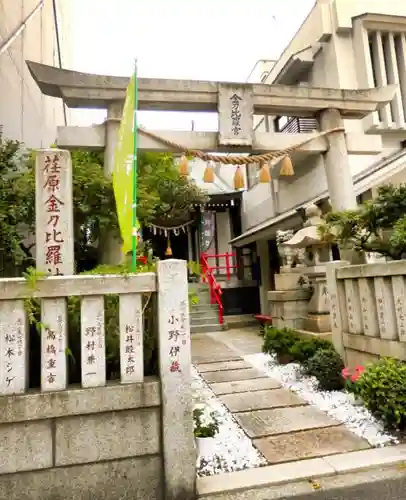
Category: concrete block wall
<point>101,443</point>
<point>368,310</point>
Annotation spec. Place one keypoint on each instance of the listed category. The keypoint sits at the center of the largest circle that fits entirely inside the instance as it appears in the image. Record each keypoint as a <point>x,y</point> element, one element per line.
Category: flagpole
<point>134,205</point>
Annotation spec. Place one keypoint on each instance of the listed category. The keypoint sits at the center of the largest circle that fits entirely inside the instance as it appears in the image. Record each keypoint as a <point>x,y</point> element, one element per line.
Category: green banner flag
<point>125,172</point>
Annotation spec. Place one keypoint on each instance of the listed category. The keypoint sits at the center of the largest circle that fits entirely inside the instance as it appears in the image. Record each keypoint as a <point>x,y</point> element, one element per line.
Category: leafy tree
<point>14,212</point>
<point>164,196</point>
<point>378,225</point>
<point>93,205</point>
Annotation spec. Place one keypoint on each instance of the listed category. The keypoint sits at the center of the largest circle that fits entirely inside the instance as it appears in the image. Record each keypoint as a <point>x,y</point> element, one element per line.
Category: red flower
<point>352,375</point>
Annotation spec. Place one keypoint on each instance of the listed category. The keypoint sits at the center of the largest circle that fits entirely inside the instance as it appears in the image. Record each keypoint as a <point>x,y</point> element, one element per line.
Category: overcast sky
<point>187,39</point>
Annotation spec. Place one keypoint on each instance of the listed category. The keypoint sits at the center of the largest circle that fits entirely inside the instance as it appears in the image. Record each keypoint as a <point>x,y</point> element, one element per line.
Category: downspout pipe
<point>21,28</point>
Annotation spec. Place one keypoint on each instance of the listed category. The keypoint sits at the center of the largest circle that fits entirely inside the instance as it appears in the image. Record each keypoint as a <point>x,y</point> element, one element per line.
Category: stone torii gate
<point>236,134</point>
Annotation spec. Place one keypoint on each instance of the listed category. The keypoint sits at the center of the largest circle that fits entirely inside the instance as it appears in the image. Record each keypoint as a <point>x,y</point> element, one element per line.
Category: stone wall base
<point>136,478</point>
<point>361,349</point>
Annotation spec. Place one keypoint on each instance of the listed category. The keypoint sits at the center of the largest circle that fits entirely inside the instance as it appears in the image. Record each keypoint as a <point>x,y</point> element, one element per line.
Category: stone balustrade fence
<point>368,310</point>
<point>132,438</point>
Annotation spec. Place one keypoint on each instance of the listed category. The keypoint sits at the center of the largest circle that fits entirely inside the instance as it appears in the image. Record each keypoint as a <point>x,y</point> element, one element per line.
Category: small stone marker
<point>13,347</point>
<point>131,338</point>
<point>53,344</point>
<point>93,342</point>
<point>175,373</point>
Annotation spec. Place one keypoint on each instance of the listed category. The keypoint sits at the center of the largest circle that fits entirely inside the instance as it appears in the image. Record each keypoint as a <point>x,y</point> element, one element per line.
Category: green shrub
<point>326,365</point>
<point>382,387</point>
<point>279,341</point>
<point>307,348</point>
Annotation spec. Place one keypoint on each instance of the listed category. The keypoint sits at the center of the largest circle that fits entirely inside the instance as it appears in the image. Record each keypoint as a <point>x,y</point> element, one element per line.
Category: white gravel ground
<point>232,450</point>
<point>337,404</point>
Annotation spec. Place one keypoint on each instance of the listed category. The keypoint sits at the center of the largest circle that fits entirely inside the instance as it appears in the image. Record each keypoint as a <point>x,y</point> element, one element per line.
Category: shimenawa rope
<point>237,160</point>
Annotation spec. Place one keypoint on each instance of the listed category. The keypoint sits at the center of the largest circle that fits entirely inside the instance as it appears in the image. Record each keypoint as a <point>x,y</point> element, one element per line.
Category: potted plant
<point>206,426</point>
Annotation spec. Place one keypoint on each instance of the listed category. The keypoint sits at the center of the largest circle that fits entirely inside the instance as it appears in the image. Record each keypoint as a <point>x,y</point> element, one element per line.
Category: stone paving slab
<point>252,385</point>
<point>309,444</point>
<point>207,350</point>
<point>261,400</point>
<point>242,340</point>
<point>222,366</point>
<point>232,375</point>
<point>264,423</point>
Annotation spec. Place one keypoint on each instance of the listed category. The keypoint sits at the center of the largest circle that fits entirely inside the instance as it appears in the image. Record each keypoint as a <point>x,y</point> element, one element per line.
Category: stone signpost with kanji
<point>54,256</point>
<point>54,212</point>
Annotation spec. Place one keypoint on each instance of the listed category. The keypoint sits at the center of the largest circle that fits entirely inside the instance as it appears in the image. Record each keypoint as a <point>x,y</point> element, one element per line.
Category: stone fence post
<point>175,374</point>
<point>337,303</point>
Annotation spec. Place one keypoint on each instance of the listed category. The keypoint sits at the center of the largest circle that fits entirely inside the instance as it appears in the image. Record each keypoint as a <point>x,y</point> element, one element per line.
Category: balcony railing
<point>299,126</point>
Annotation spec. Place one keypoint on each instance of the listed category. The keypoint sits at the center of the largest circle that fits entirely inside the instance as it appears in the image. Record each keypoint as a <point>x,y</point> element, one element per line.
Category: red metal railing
<point>214,287</point>
<point>229,259</point>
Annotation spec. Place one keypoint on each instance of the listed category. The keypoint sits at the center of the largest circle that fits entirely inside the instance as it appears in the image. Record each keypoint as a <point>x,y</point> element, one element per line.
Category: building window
<point>296,125</point>
<point>387,58</point>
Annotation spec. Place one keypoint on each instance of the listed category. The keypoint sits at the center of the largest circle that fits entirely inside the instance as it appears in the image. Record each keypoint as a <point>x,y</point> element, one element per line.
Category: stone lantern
<point>317,253</point>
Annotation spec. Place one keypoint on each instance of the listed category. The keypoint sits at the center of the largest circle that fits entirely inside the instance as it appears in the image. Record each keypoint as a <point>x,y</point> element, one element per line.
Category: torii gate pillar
<point>110,247</point>
<point>337,164</point>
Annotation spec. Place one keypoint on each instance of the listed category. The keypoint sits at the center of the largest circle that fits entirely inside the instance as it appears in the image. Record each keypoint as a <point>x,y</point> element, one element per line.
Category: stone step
<point>197,308</point>
<point>198,289</point>
<point>203,320</point>
<point>206,328</point>
<point>202,302</point>
<point>204,312</point>
<point>202,291</point>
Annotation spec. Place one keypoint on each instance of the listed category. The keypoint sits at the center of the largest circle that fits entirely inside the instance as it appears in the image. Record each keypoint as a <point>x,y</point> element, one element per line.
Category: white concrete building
<point>342,44</point>
<point>30,30</point>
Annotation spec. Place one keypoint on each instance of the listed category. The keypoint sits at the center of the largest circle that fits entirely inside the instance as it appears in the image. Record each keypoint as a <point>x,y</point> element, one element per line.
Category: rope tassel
<point>168,251</point>
<point>208,175</point>
<point>286,167</point>
<point>264,175</point>
<point>238,179</point>
<point>184,166</point>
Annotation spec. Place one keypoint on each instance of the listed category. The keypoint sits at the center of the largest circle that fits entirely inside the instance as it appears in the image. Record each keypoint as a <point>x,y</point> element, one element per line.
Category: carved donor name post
<point>175,375</point>
<point>236,111</point>
<point>54,256</point>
